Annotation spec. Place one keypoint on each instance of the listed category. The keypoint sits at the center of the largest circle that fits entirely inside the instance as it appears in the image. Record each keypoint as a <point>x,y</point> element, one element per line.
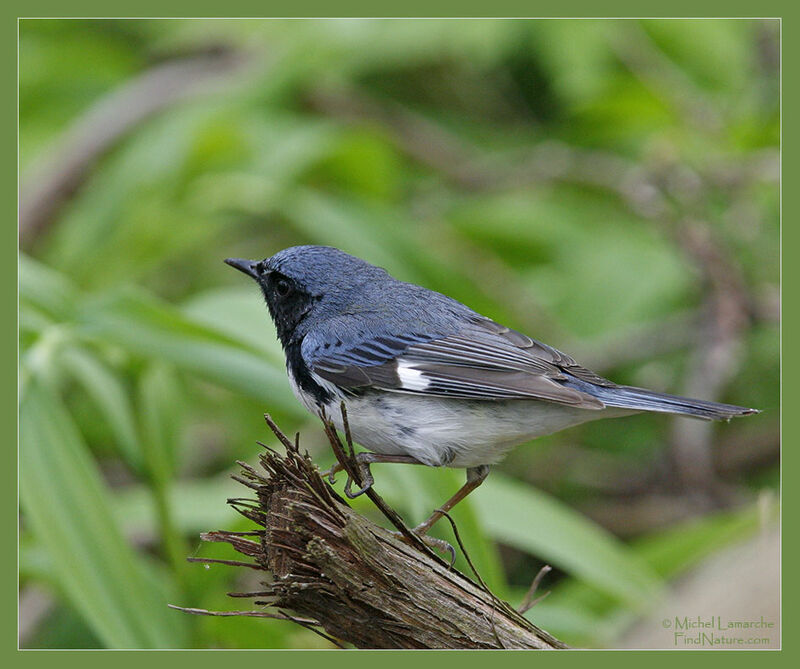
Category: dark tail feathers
<point>628,397</point>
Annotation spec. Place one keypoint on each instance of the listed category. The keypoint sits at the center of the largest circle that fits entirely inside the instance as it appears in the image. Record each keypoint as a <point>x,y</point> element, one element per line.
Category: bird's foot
<point>366,476</point>
<point>331,473</point>
<point>431,542</point>
<point>363,461</point>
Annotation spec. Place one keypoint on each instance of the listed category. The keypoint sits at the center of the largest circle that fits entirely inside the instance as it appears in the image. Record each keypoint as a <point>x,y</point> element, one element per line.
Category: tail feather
<point>640,399</point>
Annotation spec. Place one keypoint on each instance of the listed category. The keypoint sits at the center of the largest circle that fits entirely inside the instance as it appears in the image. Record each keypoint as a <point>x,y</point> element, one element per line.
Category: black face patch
<point>288,304</point>
<point>302,375</point>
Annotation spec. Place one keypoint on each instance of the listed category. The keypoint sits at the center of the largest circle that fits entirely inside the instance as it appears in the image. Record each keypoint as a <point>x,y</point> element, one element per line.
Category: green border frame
<point>510,8</point>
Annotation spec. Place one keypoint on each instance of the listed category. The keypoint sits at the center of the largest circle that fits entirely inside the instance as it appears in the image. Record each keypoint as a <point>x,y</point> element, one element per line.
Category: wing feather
<point>486,361</point>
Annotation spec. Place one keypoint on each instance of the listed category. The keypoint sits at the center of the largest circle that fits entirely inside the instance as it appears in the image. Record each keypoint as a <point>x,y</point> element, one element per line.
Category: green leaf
<point>156,331</point>
<point>239,313</point>
<point>521,516</point>
<point>32,322</point>
<point>160,406</point>
<point>68,509</point>
<point>574,625</point>
<point>195,506</point>
<point>48,290</point>
<point>678,548</point>
<point>670,553</point>
<point>111,397</point>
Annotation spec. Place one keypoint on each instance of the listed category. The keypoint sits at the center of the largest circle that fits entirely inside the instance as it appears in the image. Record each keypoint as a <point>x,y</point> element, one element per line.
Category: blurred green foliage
<point>537,170</point>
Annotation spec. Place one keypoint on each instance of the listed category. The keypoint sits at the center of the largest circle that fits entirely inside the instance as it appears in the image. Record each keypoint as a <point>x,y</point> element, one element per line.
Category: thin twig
<point>464,550</point>
<point>311,627</point>
<point>529,602</point>
<point>251,614</point>
<point>230,563</point>
<point>279,434</point>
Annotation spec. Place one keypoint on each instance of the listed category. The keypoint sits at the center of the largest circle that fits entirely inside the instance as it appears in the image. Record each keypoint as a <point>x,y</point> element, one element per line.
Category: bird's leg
<point>475,476</point>
<point>364,460</point>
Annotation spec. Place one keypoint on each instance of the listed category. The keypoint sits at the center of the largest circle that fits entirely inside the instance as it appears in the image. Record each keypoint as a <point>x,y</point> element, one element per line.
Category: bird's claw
<point>432,542</point>
<point>329,474</point>
<point>368,481</point>
<point>363,462</point>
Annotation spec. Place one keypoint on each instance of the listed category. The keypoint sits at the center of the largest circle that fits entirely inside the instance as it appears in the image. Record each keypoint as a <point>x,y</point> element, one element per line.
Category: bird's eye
<point>282,287</point>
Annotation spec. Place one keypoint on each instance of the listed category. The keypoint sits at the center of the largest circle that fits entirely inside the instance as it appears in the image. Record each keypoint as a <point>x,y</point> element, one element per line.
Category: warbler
<point>424,378</point>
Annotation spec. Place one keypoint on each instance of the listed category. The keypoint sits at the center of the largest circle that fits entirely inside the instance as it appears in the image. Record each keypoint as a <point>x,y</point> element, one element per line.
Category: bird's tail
<point>640,399</point>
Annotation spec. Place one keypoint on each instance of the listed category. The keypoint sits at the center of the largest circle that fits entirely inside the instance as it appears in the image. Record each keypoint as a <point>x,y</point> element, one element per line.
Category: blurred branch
<point>354,579</point>
<point>471,168</point>
<point>747,451</point>
<point>631,517</point>
<point>106,122</point>
<point>648,63</point>
<point>674,333</point>
<point>423,140</point>
<point>644,503</point>
<point>716,355</point>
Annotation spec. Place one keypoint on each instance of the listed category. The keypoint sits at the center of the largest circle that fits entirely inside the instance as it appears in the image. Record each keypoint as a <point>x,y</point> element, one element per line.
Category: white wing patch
<point>410,377</point>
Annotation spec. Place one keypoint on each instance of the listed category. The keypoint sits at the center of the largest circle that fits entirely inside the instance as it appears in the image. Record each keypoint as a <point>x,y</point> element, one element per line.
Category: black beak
<point>246,266</point>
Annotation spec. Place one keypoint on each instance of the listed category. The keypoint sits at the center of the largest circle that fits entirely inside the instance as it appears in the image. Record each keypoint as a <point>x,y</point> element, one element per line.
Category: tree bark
<point>357,581</point>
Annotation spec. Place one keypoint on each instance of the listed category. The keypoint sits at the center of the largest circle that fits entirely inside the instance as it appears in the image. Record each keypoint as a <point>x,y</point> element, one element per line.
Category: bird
<point>424,378</point>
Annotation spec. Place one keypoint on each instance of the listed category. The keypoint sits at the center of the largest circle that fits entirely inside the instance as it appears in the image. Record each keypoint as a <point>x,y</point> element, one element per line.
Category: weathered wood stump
<point>355,580</point>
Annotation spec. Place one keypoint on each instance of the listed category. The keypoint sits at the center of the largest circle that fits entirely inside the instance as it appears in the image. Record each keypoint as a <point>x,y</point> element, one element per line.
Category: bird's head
<point>304,280</point>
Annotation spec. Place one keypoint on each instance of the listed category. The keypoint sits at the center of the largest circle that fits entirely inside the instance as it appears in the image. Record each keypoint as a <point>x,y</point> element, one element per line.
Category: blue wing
<point>483,361</point>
